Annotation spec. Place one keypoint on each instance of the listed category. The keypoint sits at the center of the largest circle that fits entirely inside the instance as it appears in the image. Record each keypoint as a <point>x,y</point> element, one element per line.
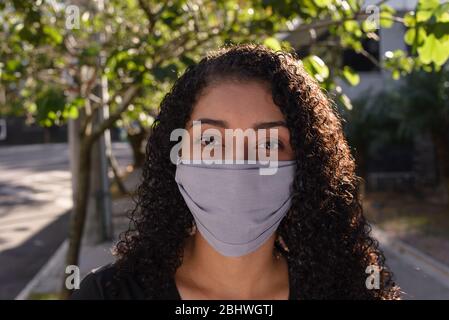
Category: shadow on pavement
<point>19,265</point>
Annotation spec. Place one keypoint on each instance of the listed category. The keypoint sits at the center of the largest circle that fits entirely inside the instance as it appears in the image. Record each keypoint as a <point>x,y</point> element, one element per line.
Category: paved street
<point>419,275</point>
<point>35,197</point>
<point>415,282</point>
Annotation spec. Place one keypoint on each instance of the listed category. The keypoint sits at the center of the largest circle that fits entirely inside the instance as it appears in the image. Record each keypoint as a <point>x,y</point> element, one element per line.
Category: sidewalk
<point>418,275</point>
<point>49,279</point>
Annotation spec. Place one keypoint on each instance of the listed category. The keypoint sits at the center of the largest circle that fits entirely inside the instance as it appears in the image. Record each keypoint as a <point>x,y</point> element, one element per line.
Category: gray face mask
<point>235,208</point>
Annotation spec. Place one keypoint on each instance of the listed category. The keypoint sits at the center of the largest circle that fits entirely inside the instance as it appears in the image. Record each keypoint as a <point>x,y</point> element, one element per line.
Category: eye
<point>270,145</point>
<point>207,140</point>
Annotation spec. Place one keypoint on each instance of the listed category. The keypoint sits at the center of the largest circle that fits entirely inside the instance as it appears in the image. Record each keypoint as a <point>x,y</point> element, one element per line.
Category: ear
<point>282,243</point>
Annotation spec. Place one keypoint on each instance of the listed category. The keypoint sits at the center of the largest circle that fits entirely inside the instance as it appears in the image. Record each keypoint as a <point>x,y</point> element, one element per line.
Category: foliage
<point>149,43</point>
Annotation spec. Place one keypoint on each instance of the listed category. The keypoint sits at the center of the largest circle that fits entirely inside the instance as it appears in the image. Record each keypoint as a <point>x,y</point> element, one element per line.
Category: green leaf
<point>434,50</point>
<point>369,26</point>
<point>423,15</point>
<point>410,36</point>
<point>92,51</point>
<point>322,3</point>
<point>351,76</point>
<point>272,43</point>
<point>344,99</point>
<point>409,19</point>
<point>73,113</point>
<point>13,65</point>
<point>398,62</point>
<point>386,8</point>
<point>386,19</point>
<point>50,102</point>
<point>316,67</point>
<point>442,13</point>
<point>352,27</point>
<point>53,34</point>
<point>428,4</point>
<point>396,74</point>
<point>46,123</point>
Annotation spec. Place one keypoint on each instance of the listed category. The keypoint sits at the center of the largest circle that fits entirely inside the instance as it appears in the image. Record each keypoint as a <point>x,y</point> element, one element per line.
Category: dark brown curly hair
<point>326,239</point>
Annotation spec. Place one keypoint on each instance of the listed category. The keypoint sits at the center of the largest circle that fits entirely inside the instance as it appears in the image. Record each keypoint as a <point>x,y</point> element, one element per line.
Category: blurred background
<point>80,85</point>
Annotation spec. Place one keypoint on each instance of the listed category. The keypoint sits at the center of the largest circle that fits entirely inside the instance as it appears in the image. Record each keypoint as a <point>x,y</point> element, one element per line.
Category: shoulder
<point>103,283</point>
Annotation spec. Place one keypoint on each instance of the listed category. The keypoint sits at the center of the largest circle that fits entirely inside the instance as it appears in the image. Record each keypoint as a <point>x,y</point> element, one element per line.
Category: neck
<point>243,277</point>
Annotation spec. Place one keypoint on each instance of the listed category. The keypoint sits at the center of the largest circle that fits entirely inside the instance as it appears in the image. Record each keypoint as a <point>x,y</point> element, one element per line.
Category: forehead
<point>240,104</point>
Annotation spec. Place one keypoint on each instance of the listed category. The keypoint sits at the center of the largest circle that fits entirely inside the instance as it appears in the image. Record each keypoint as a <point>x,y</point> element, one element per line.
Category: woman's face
<point>238,105</point>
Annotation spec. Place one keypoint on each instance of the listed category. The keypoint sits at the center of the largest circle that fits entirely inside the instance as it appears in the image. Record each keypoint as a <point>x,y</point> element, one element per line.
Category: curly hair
<point>324,237</point>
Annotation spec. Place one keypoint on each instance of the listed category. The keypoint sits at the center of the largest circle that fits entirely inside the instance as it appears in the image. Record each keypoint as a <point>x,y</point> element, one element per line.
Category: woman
<point>306,238</point>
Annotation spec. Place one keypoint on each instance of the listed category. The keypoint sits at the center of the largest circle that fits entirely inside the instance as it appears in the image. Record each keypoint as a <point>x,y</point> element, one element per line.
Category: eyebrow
<point>271,124</point>
<point>224,124</point>
<point>217,123</point>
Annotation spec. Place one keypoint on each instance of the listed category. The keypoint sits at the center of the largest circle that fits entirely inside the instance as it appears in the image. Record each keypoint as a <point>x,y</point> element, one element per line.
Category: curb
<point>413,256</point>
<point>49,265</point>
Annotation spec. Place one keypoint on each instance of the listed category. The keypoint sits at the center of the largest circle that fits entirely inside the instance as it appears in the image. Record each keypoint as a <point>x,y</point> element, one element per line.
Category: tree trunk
<point>47,135</point>
<point>136,141</point>
<point>80,207</point>
<point>115,170</point>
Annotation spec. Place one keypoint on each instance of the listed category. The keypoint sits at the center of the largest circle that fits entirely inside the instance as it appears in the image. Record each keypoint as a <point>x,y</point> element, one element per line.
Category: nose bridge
<point>240,146</point>
<point>243,144</point>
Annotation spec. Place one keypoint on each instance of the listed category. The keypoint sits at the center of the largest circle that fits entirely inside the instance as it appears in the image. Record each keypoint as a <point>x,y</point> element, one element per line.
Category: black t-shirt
<point>95,286</point>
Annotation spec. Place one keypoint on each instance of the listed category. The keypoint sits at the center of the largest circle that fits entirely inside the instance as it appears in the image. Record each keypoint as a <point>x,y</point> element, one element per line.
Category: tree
<point>372,123</point>
<point>425,108</point>
<point>144,45</point>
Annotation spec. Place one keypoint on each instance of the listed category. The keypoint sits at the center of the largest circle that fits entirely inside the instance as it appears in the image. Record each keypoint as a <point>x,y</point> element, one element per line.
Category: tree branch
<point>128,97</point>
<point>151,16</point>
